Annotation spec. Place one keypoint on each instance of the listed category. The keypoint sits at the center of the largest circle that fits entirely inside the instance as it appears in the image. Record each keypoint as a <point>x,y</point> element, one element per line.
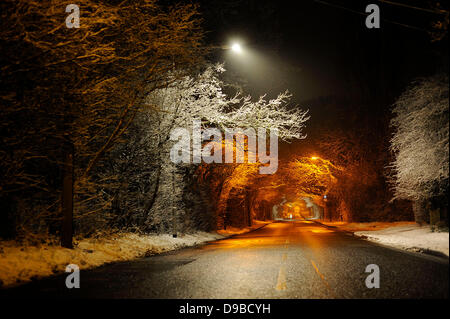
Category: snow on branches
<point>201,97</point>
<point>420,142</point>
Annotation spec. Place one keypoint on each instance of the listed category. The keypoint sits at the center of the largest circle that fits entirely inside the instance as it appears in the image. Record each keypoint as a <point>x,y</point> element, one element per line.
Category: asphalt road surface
<point>298,259</point>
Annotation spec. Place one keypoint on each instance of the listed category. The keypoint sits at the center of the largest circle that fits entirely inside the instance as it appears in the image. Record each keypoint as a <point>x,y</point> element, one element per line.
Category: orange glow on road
<point>320,231</point>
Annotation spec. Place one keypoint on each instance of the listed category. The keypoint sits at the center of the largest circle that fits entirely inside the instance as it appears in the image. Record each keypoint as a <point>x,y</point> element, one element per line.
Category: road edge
<point>146,254</point>
<point>413,250</point>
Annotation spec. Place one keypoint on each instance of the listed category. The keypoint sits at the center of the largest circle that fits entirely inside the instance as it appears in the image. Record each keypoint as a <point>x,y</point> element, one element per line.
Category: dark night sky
<point>315,50</point>
<point>321,52</point>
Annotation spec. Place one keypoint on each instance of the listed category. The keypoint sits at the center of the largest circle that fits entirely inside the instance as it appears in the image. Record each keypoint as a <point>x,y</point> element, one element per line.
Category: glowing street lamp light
<point>236,48</point>
<point>314,158</point>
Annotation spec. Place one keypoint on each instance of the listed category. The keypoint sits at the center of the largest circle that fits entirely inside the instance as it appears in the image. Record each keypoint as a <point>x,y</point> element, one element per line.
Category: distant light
<point>236,48</point>
<point>314,158</point>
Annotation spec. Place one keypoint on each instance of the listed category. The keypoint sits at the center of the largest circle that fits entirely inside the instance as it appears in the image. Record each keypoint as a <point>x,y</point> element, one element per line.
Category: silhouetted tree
<point>68,94</point>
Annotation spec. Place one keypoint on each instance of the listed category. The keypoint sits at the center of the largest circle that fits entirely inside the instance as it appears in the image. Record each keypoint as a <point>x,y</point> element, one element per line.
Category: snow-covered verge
<point>236,231</point>
<point>405,235</point>
<point>19,264</point>
<point>22,263</point>
<point>353,227</point>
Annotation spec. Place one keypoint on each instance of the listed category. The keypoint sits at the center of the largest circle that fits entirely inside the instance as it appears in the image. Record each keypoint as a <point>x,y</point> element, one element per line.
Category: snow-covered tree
<point>200,97</point>
<point>420,142</point>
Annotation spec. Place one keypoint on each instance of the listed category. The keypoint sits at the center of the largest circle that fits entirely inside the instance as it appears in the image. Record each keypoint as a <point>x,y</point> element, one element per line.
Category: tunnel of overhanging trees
<point>87,116</point>
<point>305,186</point>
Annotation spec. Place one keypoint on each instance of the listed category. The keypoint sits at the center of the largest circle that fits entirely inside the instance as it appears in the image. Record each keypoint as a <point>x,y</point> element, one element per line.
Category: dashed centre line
<point>319,273</point>
<point>281,280</point>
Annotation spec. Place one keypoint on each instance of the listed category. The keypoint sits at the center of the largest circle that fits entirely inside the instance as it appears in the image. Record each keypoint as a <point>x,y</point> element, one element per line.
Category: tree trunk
<point>420,213</point>
<point>7,218</point>
<point>174,210</point>
<point>248,207</point>
<point>249,211</point>
<point>67,198</point>
<point>222,204</point>
<point>152,200</point>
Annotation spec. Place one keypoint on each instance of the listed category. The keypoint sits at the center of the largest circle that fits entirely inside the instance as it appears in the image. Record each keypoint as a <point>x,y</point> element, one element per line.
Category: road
<point>281,260</point>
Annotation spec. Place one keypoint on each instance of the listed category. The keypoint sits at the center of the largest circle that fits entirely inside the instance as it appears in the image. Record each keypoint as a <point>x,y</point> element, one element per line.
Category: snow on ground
<point>404,235</point>
<point>20,264</point>
<point>352,227</point>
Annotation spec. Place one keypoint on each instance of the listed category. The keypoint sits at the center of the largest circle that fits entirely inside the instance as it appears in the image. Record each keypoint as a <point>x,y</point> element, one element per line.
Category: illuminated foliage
<point>311,176</point>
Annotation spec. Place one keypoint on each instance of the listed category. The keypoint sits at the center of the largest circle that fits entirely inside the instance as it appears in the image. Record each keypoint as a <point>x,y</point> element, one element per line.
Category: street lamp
<point>236,48</point>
